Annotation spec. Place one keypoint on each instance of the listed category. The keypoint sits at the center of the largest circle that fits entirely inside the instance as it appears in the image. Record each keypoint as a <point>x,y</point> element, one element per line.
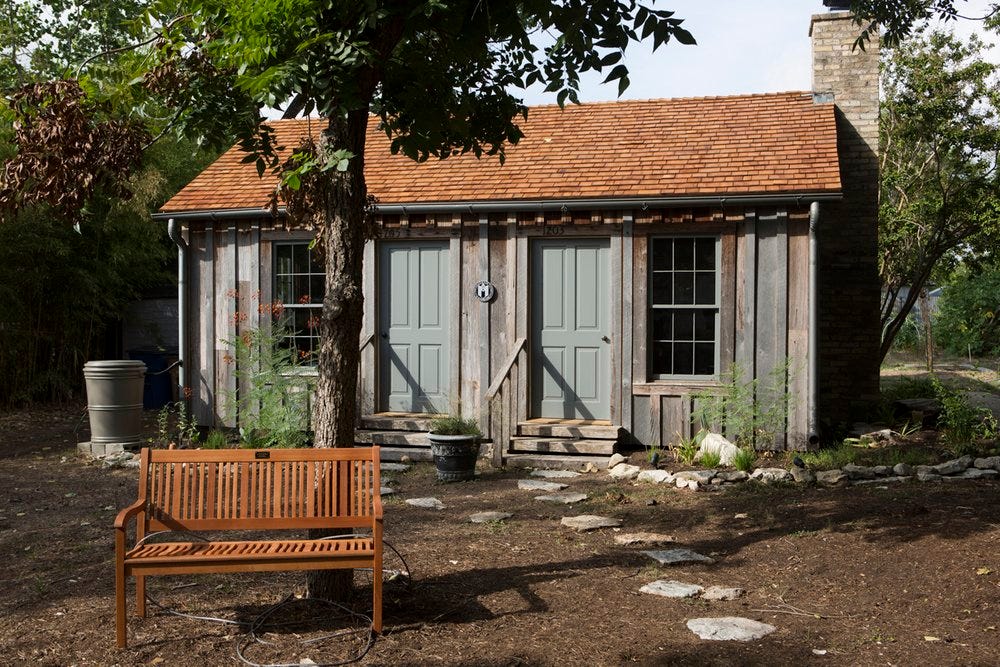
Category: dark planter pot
<point>454,456</point>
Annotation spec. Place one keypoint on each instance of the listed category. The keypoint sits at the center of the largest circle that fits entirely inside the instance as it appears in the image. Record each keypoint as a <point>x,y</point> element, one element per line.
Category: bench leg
<point>140,596</point>
<point>377,597</point>
<point>120,628</point>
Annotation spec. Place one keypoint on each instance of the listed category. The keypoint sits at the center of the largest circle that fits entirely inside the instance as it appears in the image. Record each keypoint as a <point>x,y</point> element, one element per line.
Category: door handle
<point>385,335</point>
<point>605,339</point>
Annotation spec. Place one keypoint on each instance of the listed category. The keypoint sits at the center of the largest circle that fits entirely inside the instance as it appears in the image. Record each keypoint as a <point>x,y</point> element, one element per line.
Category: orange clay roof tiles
<point>741,145</point>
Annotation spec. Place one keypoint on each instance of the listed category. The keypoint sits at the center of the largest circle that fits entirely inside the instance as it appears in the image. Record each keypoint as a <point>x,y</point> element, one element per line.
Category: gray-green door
<point>570,317</point>
<point>413,326</point>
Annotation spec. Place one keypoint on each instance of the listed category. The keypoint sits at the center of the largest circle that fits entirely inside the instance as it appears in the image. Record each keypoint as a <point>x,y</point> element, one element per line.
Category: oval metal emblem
<point>485,291</point>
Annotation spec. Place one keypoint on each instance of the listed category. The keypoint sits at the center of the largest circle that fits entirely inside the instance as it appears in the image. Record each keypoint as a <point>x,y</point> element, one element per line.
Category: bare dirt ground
<point>904,575</point>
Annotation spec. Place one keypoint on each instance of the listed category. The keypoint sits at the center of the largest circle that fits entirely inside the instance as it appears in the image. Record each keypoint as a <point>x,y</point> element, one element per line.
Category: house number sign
<point>485,291</point>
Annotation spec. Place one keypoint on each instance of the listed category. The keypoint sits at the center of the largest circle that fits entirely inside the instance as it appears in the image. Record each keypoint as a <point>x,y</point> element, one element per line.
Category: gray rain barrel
<point>114,400</point>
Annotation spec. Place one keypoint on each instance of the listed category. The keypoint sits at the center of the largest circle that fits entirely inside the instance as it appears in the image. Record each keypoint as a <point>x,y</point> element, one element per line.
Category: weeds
<point>216,439</point>
<point>960,423</point>
<point>745,459</point>
<point>749,411</point>
<point>711,459</point>
<point>687,448</point>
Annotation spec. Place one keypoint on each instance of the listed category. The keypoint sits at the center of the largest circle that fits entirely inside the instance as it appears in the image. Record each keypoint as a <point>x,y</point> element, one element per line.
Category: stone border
<point>965,467</point>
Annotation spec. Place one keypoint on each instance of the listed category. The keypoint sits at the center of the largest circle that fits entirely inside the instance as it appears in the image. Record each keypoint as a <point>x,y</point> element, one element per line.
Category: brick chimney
<point>847,231</point>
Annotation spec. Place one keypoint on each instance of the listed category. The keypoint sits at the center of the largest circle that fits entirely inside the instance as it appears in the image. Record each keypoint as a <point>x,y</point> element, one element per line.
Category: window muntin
<point>684,306</point>
<point>299,286</point>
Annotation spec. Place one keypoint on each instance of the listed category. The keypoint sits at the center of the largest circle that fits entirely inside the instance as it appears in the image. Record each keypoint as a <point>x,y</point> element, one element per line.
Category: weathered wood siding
<point>763,320</point>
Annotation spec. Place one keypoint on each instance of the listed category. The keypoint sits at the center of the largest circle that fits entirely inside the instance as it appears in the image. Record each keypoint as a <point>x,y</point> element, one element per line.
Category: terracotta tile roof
<point>750,144</point>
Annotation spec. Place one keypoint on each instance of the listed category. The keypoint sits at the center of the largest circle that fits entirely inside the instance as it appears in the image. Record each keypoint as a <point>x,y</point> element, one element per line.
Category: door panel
<point>413,333</point>
<point>570,316</point>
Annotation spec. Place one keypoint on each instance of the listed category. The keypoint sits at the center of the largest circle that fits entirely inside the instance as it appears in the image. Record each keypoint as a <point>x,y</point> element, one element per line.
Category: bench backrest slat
<point>259,489</point>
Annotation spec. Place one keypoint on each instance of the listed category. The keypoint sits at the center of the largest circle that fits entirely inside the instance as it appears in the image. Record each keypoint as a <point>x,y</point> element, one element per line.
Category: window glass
<point>683,306</point>
<point>299,286</point>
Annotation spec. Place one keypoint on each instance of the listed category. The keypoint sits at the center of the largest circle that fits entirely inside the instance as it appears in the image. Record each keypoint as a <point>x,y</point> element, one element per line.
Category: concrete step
<point>539,429</point>
<point>399,438</point>
<point>563,446</point>
<point>554,461</point>
<point>389,421</point>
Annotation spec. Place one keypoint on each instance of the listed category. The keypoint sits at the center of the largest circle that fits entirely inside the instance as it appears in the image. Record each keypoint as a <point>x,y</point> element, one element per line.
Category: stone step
<point>409,453</point>
<point>554,461</point>
<point>400,438</point>
<point>390,421</point>
<point>540,429</point>
<point>563,446</point>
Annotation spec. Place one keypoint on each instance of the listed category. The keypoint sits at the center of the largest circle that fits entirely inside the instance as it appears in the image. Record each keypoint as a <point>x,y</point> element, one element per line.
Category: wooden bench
<point>239,489</point>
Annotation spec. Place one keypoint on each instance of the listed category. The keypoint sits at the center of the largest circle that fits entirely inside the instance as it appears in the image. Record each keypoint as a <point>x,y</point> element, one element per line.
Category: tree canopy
<point>940,135</point>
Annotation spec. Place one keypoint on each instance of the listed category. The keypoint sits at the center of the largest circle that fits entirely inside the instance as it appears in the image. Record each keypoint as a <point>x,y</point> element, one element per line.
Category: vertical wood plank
<point>210,506</point>
<point>798,334</point>
<point>366,376</point>
<point>727,302</point>
<point>455,258</point>
<point>627,296</point>
<point>640,309</point>
<point>746,296</point>
<point>656,421</point>
<point>521,317</point>
<point>206,332</point>
<point>225,321</point>
<point>616,270</point>
<point>771,312</point>
<point>484,340</point>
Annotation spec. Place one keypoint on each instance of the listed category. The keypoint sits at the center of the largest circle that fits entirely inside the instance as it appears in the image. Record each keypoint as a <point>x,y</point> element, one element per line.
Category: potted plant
<point>455,446</point>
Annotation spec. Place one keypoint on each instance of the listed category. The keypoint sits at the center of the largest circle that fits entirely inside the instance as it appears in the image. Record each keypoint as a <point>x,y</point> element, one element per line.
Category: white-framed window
<point>299,286</point>
<point>683,320</point>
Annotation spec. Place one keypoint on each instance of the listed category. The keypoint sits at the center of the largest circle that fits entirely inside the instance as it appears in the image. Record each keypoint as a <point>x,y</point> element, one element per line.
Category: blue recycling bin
<point>157,389</point>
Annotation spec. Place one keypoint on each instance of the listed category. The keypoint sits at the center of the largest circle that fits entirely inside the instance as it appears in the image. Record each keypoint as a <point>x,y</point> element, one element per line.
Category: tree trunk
<point>340,218</point>
<point>925,319</point>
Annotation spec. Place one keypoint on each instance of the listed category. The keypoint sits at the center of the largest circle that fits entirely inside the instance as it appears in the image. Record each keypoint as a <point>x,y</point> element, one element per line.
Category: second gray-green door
<point>414,293</point>
<point>570,317</point>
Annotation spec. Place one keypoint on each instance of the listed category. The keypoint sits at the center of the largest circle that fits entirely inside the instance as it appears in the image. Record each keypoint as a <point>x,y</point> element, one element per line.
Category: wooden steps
<point>573,442</point>
<point>400,435</point>
<point>563,446</point>
<point>551,462</point>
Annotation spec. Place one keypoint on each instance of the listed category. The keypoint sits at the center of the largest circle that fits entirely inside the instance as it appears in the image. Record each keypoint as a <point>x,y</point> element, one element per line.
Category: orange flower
<point>188,392</point>
<point>233,293</point>
<point>312,322</point>
<point>227,358</point>
<point>304,299</point>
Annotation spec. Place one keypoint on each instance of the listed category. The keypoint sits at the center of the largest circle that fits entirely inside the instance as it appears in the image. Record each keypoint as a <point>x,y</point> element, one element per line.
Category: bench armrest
<point>128,513</point>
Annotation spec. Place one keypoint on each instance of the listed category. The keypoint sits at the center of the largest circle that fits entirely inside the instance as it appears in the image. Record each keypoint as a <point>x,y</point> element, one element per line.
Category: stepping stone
<point>538,485</point>
<point>722,593</point>
<point>671,589</point>
<point>566,498</point>
<point>652,539</point>
<point>729,628</point>
<point>426,503</point>
<point>678,557</point>
<point>587,522</point>
<point>555,474</point>
<point>387,491</point>
<point>486,517</point>
<point>393,467</point>
<point>615,460</point>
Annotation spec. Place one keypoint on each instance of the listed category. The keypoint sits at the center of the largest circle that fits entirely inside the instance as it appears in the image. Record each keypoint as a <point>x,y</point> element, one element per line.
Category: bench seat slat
<point>194,552</point>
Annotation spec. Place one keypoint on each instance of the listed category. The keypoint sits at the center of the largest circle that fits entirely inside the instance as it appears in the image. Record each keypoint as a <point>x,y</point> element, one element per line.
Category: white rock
<point>624,471</point>
<point>770,475</point>
<point>976,473</point>
<point>802,475</point>
<point>678,557</point>
<point>615,460</point>
<point>655,477</point>
<point>902,470</point>
<point>700,476</point>
<point>587,522</point>
<point>954,466</point>
<point>652,539</point>
<point>722,593</point>
<point>486,517</point>
<point>831,477</point>
<point>555,474</point>
<point>387,491</point>
<point>731,476</point>
<point>538,485</point>
<point>393,467</point>
<point>671,589</point>
<point>713,443</point>
<point>729,628</point>
<point>565,498</point>
<point>426,503</point>
<point>686,484</point>
<point>858,472</point>
<point>987,463</point>
<point>923,476</point>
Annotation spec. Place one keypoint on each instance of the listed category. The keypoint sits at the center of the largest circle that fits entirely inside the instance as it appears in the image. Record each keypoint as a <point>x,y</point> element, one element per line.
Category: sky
<point>744,46</point>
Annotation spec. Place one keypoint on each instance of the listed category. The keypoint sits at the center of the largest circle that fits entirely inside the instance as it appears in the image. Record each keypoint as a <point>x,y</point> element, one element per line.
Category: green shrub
<point>216,439</point>
<point>749,411</point>
<point>273,411</point>
<point>745,459</point>
<point>687,448</point>
<point>711,459</point>
<point>968,320</point>
<point>910,336</point>
<point>961,423</point>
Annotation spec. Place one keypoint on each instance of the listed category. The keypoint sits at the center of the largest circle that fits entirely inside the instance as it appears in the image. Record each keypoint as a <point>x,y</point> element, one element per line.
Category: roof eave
<point>501,205</point>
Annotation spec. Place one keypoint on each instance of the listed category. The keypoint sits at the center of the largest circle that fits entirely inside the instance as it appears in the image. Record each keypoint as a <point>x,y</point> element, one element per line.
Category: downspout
<point>174,232</point>
<point>813,326</point>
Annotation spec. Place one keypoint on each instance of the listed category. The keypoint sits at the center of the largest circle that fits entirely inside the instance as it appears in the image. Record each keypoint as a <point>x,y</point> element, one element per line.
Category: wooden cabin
<point>580,296</point>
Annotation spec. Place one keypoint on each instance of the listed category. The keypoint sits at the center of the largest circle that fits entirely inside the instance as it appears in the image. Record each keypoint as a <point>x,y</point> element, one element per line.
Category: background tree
<point>441,75</point>
<point>939,134</point>
<point>61,290</point>
<point>968,318</point>
<point>898,19</point>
